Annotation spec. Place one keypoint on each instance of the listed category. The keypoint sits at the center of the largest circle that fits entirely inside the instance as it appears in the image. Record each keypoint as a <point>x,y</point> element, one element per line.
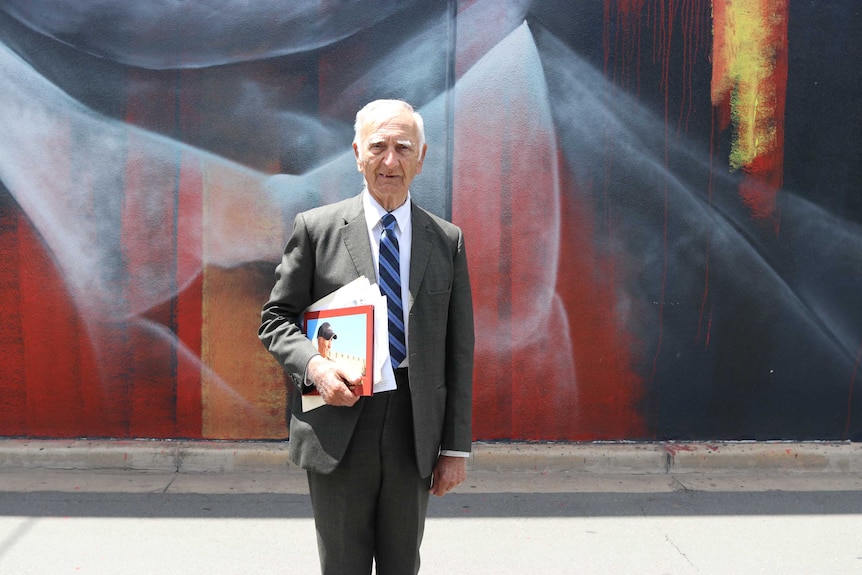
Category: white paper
<point>384,376</point>
<point>311,401</point>
<point>354,293</point>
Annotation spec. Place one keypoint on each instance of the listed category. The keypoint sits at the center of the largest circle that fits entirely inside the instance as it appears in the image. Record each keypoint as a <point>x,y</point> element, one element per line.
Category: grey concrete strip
<point>292,481</point>
<point>670,457</point>
<point>596,458</point>
<point>841,457</point>
<point>225,457</point>
<point>89,454</point>
<point>579,457</point>
<point>35,480</point>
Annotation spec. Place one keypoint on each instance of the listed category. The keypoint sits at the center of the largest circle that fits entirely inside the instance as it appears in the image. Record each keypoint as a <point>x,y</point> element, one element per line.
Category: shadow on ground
<point>497,505</point>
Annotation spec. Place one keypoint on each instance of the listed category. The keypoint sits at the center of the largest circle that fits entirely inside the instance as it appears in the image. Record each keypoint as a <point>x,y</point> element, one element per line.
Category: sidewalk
<point>231,508</point>
<point>599,458</point>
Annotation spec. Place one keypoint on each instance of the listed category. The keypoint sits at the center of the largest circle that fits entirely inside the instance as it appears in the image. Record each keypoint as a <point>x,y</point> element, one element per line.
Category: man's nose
<point>389,157</point>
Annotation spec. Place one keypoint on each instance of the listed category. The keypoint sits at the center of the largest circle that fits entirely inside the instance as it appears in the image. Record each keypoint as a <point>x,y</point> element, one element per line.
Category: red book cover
<point>344,335</point>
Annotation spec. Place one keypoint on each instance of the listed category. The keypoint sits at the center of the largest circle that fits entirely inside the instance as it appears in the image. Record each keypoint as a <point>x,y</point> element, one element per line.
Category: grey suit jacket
<point>329,247</point>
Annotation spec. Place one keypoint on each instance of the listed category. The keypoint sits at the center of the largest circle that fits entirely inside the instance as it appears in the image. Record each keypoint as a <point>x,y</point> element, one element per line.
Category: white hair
<point>364,116</point>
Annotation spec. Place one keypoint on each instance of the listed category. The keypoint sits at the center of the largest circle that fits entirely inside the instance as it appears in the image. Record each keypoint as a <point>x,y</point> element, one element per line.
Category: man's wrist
<point>307,379</point>
<point>451,453</point>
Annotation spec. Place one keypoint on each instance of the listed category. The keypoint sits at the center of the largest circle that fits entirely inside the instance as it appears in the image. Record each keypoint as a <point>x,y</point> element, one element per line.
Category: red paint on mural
<point>163,371</point>
<point>551,359</point>
<point>57,371</point>
<point>521,392</point>
<point>13,390</point>
<point>609,388</point>
<point>189,301</point>
<point>55,357</point>
<point>749,85</point>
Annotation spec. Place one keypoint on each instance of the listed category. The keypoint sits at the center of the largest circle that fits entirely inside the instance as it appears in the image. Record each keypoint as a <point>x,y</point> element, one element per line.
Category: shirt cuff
<point>306,382</point>
<point>454,453</point>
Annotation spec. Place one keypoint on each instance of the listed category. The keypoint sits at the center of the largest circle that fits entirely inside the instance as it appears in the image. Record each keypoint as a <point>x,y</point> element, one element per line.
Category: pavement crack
<point>18,534</point>
<point>678,485</point>
<point>679,551</point>
<point>171,482</point>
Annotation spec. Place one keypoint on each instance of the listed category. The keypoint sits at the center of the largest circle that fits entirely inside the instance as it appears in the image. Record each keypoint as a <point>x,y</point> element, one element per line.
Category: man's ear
<point>356,153</point>
<point>422,158</point>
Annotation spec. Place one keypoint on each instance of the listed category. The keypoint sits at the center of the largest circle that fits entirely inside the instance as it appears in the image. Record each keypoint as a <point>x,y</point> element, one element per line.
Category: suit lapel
<point>421,250</point>
<point>354,234</point>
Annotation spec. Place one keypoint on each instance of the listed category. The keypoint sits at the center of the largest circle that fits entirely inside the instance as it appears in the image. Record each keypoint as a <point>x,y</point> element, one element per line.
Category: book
<point>346,335</point>
<point>362,292</point>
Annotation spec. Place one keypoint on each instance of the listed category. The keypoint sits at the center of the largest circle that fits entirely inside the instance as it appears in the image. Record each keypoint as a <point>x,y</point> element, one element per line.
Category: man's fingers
<point>349,377</point>
<point>439,490</point>
<point>341,395</point>
<point>333,382</point>
<point>448,473</point>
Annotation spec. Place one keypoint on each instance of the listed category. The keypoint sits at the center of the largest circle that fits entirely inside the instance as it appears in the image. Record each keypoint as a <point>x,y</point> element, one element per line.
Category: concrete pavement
<point>106,507</point>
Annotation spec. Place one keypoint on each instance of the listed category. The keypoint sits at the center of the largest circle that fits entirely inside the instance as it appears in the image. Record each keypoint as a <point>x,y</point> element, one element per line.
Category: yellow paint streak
<point>744,63</point>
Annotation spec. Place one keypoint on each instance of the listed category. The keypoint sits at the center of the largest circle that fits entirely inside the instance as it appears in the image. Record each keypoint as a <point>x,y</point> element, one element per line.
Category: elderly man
<point>373,461</point>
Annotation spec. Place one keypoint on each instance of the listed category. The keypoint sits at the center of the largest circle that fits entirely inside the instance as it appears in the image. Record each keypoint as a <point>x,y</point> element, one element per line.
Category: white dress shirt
<point>374,212</point>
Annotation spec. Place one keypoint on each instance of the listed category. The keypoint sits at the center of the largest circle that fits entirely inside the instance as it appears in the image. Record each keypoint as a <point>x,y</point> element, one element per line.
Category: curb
<point>671,457</point>
<point>143,455</point>
<point>597,458</point>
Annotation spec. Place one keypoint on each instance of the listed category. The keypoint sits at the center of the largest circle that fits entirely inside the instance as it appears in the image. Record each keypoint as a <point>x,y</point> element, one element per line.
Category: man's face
<point>324,346</point>
<point>389,156</point>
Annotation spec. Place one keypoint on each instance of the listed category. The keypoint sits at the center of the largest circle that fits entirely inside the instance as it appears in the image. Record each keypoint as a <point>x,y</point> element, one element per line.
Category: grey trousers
<point>373,506</point>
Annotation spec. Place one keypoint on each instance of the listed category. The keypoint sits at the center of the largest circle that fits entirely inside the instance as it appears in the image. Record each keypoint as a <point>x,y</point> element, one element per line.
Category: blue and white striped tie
<point>390,282</point>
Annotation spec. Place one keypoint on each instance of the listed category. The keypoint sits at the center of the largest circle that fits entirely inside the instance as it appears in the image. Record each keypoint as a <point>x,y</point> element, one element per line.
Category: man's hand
<point>449,472</point>
<point>334,381</point>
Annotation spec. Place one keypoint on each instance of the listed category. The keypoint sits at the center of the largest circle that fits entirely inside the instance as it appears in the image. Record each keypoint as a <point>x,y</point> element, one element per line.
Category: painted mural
<point>662,201</point>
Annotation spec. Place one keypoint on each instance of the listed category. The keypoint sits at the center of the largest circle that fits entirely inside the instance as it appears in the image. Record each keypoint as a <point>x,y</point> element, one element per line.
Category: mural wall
<point>662,201</point>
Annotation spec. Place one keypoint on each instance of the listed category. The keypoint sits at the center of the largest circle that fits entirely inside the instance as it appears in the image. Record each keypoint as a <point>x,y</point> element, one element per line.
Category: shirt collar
<point>374,211</point>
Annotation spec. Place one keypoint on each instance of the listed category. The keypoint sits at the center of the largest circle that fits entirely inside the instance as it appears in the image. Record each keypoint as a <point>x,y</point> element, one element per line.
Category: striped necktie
<point>390,283</point>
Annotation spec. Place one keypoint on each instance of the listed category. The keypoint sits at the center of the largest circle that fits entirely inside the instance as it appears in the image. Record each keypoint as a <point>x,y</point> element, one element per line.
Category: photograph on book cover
<point>345,335</point>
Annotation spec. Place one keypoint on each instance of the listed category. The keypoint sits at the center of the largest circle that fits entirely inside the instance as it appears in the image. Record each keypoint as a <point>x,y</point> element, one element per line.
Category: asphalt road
<point>133,522</point>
